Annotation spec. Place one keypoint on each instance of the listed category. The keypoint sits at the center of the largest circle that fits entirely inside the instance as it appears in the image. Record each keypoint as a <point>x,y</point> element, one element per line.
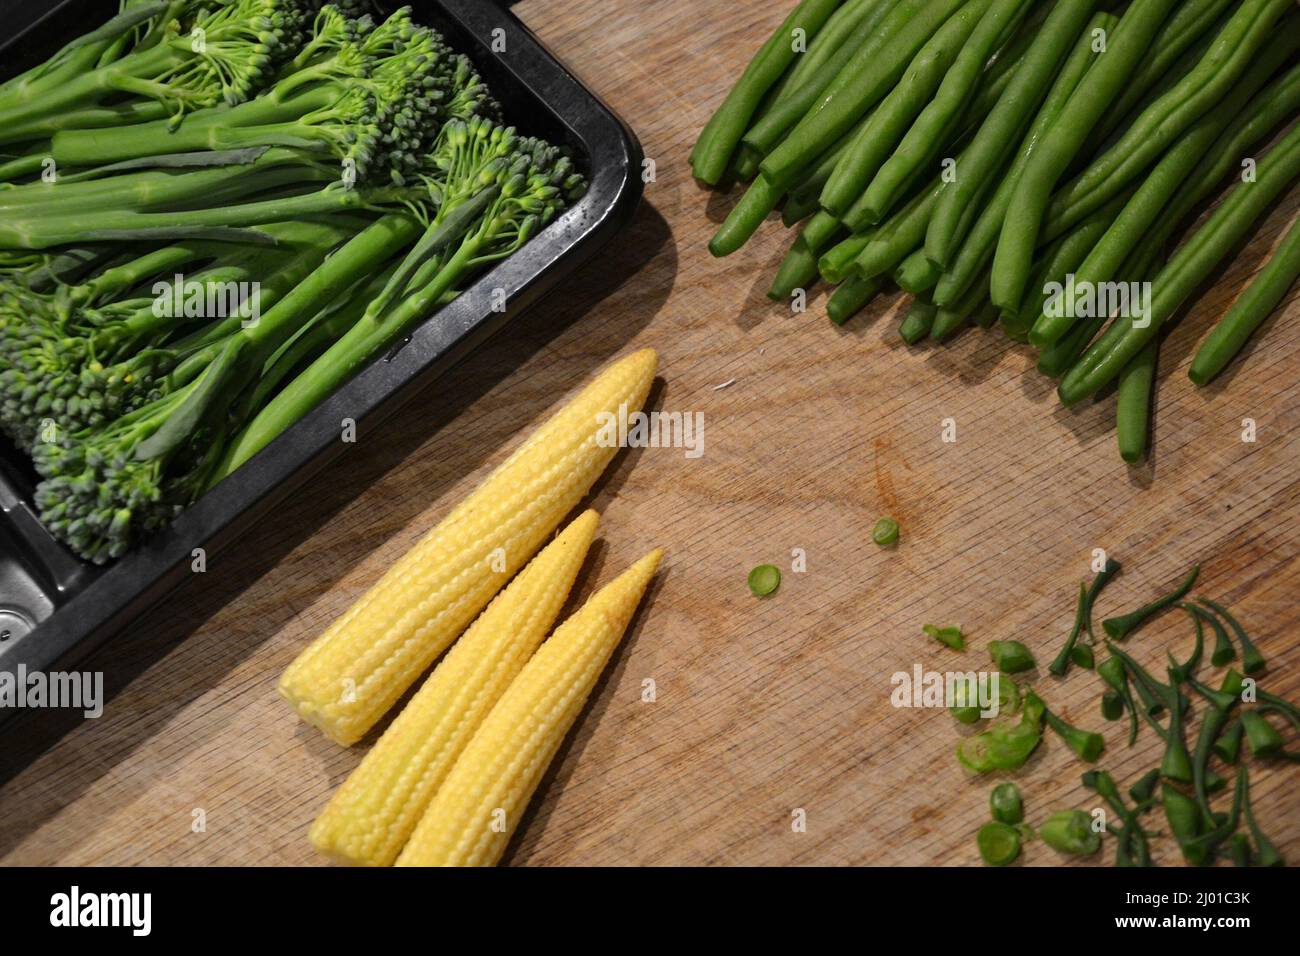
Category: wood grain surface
<point>764,706</point>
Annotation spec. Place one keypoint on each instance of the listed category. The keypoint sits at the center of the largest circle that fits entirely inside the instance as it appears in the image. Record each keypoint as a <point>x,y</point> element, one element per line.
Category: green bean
<point>1184,816</point>
<point>1261,736</point>
<point>1133,408</point>
<point>1216,698</point>
<point>1181,672</point>
<point>798,270</point>
<point>1062,142</point>
<point>916,324</point>
<point>746,216</point>
<point>1232,52</point>
<point>872,72</point>
<point>1185,271</point>
<point>948,320</point>
<point>1144,790</point>
<point>744,166</point>
<point>1155,696</point>
<point>895,239</point>
<point>1252,661</point>
<point>985,317</point>
<point>1061,663</point>
<point>916,273</point>
<point>976,250</point>
<point>1166,180</point>
<point>1112,705</point>
<point>1239,850</point>
<point>1005,747</point>
<point>712,153</point>
<point>1109,569</point>
<point>940,116</point>
<point>811,95</point>
<point>824,46</point>
<point>965,702</point>
<point>1082,653</point>
<point>1063,257</point>
<point>1274,703</point>
<point>1113,672</point>
<point>891,119</point>
<point>1070,831</point>
<point>1177,762</point>
<point>1131,833</point>
<point>1087,744</point>
<point>851,296</point>
<point>947,636</point>
<point>1211,724</point>
<point>1008,694</point>
<point>1185,26</point>
<point>1203,847</point>
<point>1005,803</point>
<point>1057,359</point>
<point>1250,310</point>
<point>1266,854</point>
<point>764,580</point>
<point>885,531</point>
<point>803,199</point>
<point>999,843</point>
<point>1228,746</point>
<point>1010,657</point>
<point>838,261</point>
<point>1120,627</point>
<point>1008,120</point>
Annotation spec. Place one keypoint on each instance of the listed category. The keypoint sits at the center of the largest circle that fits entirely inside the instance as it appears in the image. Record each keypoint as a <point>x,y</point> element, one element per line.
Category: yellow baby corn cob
<point>350,675</point>
<point>370,817</point>
<point>478,806</point>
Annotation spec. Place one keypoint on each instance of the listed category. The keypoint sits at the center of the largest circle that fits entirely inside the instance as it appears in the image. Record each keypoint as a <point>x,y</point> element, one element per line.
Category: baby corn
<point>479,805</point>
<point>354,672</point>
<point>370,817</point>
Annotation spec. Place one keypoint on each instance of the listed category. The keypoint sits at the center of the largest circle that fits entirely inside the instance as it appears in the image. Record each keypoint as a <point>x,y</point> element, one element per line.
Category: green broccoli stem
<point>203,129</point>
<point>254,345</point>
<point>65,228</point>
<point>134,74</point>
<point>105,118</point>
<point>120,279</point>
<point>359,345</point>
<point>78,56</point>
<point>160,189</point>
<point>24,166</point>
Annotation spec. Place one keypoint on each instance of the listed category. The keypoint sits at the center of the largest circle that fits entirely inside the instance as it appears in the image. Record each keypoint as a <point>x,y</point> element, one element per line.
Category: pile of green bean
<point>980,153</point>
<point>1238,710</point>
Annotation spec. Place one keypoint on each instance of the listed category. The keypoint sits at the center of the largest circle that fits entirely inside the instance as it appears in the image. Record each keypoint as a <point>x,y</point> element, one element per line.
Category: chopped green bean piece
<point>1005,803</point>
<point>885,532</point>
<point>1228,746</point>
<point>1085,743</point>
<point>1252,661</point>
<point>1266,854</point>
<point>999,843</point>
<point>1070,831</point>
<point>1239,850</point>
<point>1261,736</point>
<point>1120,627</point>
<point>1005,746</point>
<point>1145,788</point>
<point>1112,705</point>
<point>948,636</point>
<point>1010,657</point>
<point>764,579</point>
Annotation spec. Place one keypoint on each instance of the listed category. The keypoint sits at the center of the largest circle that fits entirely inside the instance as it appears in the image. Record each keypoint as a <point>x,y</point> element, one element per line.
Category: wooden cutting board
<point>762,707</point>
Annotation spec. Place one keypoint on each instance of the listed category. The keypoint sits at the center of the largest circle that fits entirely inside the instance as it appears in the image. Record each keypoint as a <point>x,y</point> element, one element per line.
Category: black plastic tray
<point>55,609</point>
